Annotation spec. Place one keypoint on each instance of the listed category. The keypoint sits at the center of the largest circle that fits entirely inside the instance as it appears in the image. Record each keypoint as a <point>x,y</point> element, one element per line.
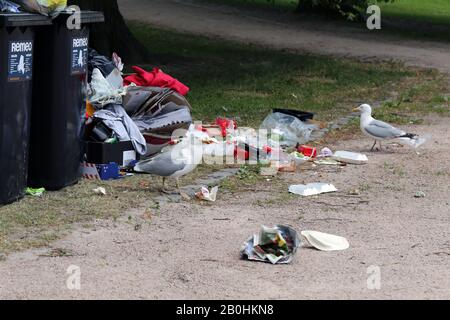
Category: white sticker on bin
<point>129,157</point>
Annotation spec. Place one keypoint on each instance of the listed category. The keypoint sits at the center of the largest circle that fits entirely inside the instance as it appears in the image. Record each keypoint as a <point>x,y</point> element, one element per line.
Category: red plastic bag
<point>226,124</point>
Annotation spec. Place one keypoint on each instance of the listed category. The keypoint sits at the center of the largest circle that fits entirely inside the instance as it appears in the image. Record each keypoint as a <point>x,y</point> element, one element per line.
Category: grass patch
<point>281,5</point>
<point>435,12</point>
<point>246,82</point>
<point>247,176</point>
<point>36,222</point>
<point>417,19</point>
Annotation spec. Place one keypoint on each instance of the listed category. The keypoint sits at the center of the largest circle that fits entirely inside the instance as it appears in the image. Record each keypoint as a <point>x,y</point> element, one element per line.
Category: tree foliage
<point>351,9</point>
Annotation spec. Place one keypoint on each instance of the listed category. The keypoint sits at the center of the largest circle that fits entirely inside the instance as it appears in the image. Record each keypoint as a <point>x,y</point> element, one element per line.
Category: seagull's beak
<point>356,110</point>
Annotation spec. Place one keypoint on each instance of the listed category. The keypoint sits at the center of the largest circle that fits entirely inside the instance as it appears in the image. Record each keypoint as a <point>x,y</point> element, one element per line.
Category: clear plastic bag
<point>8,6</point>
<point>287,130</point>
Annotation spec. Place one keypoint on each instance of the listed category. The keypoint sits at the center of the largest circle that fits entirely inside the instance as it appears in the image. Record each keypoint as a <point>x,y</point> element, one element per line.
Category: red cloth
<point>156,78</point>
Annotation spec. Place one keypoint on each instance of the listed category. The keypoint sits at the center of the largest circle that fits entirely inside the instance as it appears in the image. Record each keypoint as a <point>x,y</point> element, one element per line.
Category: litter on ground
<point>208,195</point>
<point>35,192</point>
<point>324,241</point>
<point>277,245</point>
<point>312,189</point>
<point>350,157</point>
<point>100,191</point>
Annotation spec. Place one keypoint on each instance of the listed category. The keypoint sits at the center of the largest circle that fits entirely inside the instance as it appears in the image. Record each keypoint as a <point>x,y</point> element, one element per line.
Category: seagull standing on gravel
<point>380,130</point>
<point>176,162</point>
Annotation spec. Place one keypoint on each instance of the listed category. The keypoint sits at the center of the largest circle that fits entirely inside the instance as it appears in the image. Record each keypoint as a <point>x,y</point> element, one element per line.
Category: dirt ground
<point>285,31</point>
<point>190,250</point>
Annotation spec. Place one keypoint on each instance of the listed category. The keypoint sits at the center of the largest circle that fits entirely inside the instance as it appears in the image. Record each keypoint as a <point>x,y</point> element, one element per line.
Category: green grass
<point>246,82</point>
<point>417,19</point>
<point>36,222</point>
<point>282,5</point>
<point>429,11</point>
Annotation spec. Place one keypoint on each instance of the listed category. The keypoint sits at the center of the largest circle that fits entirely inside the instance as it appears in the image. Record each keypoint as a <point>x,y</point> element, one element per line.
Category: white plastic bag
<point>101,93</point>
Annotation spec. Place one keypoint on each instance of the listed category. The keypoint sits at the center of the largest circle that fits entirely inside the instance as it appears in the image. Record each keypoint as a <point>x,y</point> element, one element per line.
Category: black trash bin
<point>17,44</point>
<point>59,99</point>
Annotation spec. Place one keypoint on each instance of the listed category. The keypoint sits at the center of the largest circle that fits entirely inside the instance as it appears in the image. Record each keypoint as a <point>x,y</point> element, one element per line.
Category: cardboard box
<point>122,153</point>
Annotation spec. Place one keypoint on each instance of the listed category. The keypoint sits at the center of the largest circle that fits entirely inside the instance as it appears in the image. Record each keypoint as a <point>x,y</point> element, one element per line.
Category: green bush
<point>351,9</point>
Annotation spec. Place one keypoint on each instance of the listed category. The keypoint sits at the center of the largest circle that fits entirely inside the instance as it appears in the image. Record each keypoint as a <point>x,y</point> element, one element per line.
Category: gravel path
<point>285,31</point>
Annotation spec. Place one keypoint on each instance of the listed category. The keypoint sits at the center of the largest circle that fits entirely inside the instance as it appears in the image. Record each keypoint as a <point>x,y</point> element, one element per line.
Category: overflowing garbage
<point>129,118</point>
<point>132,120</point>
<point>142,123</point>
<point>45,7</point>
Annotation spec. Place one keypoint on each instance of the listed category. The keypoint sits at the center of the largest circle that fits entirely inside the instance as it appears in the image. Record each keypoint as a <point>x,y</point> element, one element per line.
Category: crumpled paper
<point>100,191</point>
<point>276,245</point>
<point>207,195</point>
<point>35,192</point>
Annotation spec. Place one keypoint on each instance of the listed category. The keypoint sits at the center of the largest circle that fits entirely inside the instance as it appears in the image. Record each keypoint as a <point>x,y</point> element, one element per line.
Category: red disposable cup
<point>308,151</point>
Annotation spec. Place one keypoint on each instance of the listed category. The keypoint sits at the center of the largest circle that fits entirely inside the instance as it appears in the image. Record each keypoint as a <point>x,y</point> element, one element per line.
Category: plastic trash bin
<point>59,99</point>
<point>17,42</point>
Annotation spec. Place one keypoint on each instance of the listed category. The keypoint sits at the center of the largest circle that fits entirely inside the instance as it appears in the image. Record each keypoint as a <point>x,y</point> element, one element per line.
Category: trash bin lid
<point>23,20</point>
<point>86,16</point>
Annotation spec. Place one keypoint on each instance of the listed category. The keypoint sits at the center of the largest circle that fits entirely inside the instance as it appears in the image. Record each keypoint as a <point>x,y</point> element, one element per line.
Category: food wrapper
<point>277,245</point>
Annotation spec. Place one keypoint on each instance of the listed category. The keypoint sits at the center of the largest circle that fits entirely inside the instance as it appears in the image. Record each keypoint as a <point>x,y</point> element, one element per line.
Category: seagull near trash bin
<point>176,162</point>
<point>381,131</point>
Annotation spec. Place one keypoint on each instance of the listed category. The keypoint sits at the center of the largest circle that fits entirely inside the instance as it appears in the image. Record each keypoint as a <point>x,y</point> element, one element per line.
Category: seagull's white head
<point>364,109</point>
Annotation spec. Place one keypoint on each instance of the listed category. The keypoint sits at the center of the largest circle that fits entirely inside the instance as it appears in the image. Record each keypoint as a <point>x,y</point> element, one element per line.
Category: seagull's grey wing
<point>383,130</point>
<point>161,165</point>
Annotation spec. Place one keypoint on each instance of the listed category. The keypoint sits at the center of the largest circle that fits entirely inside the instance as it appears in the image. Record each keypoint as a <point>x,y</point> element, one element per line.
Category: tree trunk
<point>113,35</point>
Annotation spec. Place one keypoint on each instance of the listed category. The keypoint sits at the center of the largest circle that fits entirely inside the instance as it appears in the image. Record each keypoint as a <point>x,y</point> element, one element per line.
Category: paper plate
<point>325,242</point>
<point>350,157</point>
